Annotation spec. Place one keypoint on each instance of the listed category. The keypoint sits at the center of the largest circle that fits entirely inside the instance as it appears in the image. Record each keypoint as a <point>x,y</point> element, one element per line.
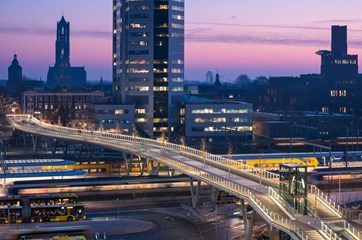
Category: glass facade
<point>148,54</point>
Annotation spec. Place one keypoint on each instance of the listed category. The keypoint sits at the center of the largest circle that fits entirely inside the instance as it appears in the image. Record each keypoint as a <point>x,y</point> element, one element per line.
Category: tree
<point>203,149</point>
<point>61,115</point>
<point>242,80</point>
<point>230,151</point>
<point>5,105</point>
<point>261,80</point>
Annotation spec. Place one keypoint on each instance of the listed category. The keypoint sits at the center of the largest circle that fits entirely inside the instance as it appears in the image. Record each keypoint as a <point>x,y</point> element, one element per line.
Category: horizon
<point>273,39</point>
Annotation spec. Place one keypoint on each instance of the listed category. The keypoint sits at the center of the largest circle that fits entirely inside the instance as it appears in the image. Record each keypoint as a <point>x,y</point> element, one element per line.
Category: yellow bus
<point>57,213</point>
<point>38,199</point>
<point>47,213</point>
<point>53,233</point>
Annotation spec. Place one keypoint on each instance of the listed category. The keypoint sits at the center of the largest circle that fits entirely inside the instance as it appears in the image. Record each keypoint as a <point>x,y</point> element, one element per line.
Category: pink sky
<point>236,37</point>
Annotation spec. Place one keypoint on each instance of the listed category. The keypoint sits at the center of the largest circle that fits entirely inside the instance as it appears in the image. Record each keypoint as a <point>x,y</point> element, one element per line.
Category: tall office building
<point>148,61</point>
<point>62,74</point>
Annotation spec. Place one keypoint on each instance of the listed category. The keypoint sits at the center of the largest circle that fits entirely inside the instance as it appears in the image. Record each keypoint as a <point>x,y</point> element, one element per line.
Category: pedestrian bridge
<point>325,219</point>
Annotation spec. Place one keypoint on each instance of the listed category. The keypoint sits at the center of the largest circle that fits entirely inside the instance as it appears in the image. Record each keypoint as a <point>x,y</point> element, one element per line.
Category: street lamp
<point>9,212</point>
<point>117,201</point>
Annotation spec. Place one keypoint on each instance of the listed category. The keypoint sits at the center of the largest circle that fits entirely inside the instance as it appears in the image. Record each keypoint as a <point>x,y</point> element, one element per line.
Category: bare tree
<point>135,133</point>
<point>203,149</point>
<point>5,104</point>
<point>230,151</point>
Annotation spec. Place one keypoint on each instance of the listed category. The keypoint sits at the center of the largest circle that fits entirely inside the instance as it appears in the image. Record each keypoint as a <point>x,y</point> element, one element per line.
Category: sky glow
<point>270,38</point>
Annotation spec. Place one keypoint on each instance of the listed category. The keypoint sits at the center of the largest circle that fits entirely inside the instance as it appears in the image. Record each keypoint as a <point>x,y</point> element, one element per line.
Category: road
<point>146,220</point>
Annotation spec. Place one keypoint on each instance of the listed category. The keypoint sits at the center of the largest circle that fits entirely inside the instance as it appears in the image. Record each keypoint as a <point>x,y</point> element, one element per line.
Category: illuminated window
<point>160,88</point>
<point>177,8</point>
<point>120,111</point>
<point>137,25</point>
<point>177,89</point>
<point>141,120</point>
<point>160,120</point>
<point>177,17</point>
<point>334,93</point>
<point>175,25</point>
<point>138,88</point>
<point>140,111</point>
<point>137,70</point>
<point>342,93</point>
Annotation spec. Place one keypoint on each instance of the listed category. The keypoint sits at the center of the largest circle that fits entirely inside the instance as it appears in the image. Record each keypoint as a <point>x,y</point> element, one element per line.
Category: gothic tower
<point>15,77</point>
<point>62,48</point>
<point>62,74</point>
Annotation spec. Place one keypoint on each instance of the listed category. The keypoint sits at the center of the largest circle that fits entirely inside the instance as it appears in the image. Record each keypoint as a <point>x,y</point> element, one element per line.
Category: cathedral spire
<point>217,82</point>
<point>62,48</point>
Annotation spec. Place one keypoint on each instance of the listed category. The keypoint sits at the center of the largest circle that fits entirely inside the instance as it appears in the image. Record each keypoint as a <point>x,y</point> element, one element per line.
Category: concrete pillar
<point>155,168</point>
<point>143,164</point>
<point>171,172</point>
<point>194,192</point>
<point>251,225</point>
<point>128,162</point>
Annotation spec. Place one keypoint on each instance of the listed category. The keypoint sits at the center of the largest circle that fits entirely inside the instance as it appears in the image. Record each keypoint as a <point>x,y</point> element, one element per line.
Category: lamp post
<point>117,201</point>
<point>9,213</point>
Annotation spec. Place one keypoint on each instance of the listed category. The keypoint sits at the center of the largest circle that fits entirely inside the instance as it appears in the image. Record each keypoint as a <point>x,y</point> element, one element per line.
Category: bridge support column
<point>24,139</point>
<point>34,139</point>
<point>251,225</point>
<point>247,226</point>
<point>214,196</point>
<point>243,214</point>
<point>272,232</point>
<point>195,191</point>
<point>143,164</point>
<point>128,163</point>
<point>65,150</point>
<point>171,172</point>
<point>54,147</point>
<point>155,168</point>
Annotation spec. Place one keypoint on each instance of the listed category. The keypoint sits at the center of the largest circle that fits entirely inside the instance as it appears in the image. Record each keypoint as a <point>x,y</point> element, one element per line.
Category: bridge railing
<point>201,155</point>
<point>237,190</point>
<point>355,233</point>
<point>217,181</point>
<point>282,201</point>
<point>312,189</point>
<point>329,232</point>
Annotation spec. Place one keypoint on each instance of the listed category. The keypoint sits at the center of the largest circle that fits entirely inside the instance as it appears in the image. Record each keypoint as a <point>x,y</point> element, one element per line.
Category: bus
<point>38,199</point>
<point>57,213</point>
<point>53,233</point>
<point>41,208</point>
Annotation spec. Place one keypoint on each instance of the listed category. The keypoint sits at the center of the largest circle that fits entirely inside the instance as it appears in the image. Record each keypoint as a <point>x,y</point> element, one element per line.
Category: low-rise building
<point>57,106</point>
<point>220,125</point>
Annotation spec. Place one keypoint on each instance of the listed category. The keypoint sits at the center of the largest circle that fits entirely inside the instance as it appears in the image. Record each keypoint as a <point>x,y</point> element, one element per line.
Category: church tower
<point>62,46</point>
<point>15,77</point>
<point>62,74</point>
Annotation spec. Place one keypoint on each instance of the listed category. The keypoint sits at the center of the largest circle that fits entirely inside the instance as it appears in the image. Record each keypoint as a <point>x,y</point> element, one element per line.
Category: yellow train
<point>273,163</point>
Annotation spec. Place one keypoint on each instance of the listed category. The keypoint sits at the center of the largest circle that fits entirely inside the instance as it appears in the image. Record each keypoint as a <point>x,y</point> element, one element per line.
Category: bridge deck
<point>228,175</point>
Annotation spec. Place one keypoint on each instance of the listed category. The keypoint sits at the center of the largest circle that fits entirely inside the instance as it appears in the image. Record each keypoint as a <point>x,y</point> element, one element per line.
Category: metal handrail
<point>282,201</point>
<point>234,188</point>
<point>355,233</point>
<point>329,232</point>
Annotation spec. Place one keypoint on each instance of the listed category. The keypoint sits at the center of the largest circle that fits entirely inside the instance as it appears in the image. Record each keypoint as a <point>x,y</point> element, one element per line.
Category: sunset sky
<point>271,38</point>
